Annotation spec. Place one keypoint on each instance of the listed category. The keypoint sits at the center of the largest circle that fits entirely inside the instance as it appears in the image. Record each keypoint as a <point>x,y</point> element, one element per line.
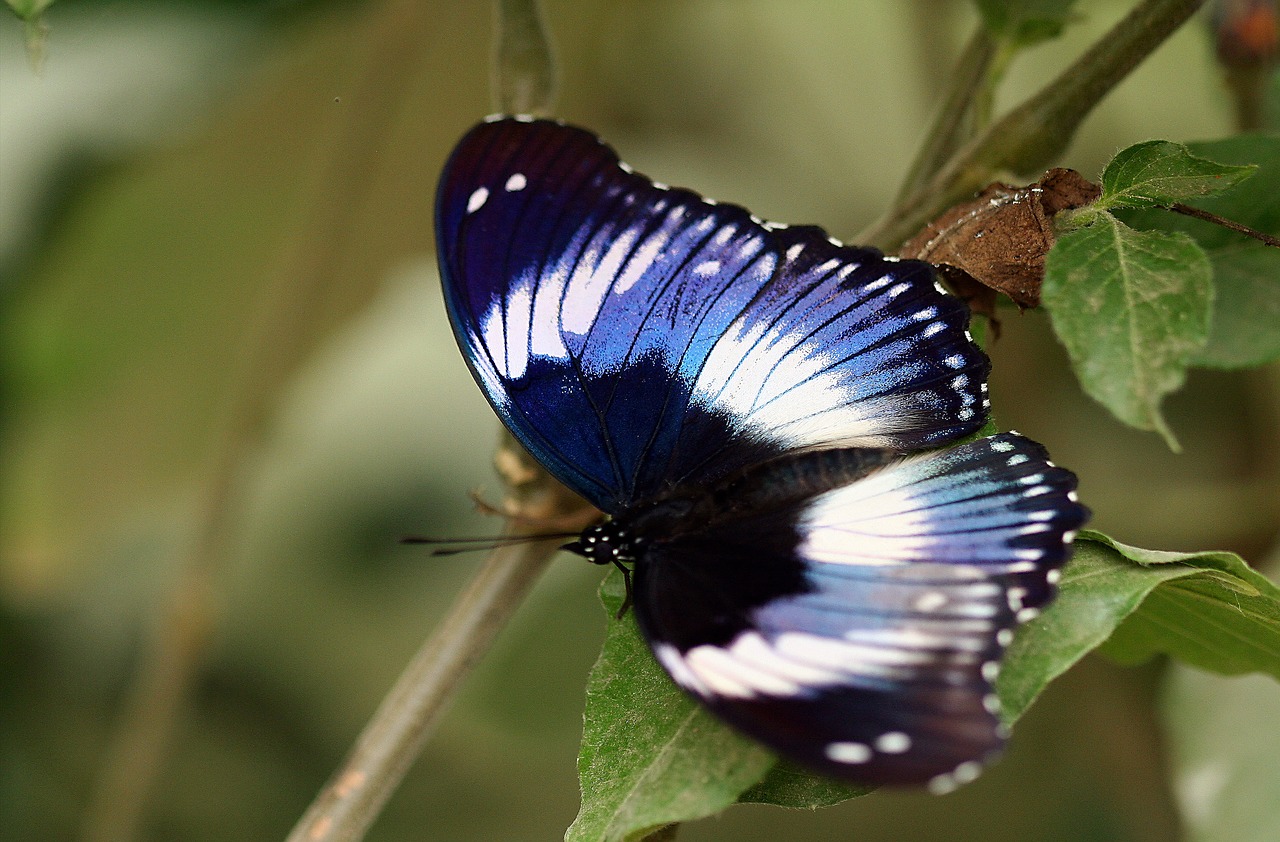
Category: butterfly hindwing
<point>859,630</point>
<point>636,337</point>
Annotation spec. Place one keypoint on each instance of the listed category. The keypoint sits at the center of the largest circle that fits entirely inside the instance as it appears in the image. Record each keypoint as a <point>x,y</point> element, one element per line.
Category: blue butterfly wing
<point>636,338</point>
<point>859,631</point>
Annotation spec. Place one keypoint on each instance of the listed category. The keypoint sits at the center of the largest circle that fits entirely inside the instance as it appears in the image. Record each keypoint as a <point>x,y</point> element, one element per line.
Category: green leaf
<point>1246,273</point>
<point>787,785</point>
<point>1025,22</point>
<point>1209,609</point>
<point>1254,202</point>
<point>1220,614</point>
<point>1246,307</point>
<point>1159,173</point>
<point>650,755</point>
<point>1132,308</point>
<point>1225,767</point>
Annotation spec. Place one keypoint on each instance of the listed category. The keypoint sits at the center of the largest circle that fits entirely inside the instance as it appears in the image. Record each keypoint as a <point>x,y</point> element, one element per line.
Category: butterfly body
<point>755,407</point>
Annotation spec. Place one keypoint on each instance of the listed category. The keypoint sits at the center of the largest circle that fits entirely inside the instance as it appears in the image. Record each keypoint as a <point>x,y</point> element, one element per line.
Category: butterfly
<point>760,410</point>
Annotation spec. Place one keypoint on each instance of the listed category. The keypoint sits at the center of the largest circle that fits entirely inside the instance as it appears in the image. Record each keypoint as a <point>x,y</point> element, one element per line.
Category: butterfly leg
<point>626,581</point>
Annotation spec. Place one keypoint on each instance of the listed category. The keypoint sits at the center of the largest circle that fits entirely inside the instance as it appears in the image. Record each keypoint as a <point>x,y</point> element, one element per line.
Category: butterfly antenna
<point>454,546</point>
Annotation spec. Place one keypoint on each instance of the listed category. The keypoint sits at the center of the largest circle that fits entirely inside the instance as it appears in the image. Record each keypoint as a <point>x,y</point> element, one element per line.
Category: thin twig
<point>394,736</point>
<point>1031,137</point>
<point>296,292</point>
<point>391,741</point>
<point>1222,221</point>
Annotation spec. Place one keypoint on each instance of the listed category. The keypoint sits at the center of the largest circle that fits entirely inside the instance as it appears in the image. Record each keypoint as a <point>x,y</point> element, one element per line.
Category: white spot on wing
<point>967,772</point>
<point>673,662</point>
<point>848,752</point>
<point>592,277</point>
<point>893,742</point>
<point>724,676</point>
<point>516,183</point>
<point>477,199</point>
<point>519,313</point>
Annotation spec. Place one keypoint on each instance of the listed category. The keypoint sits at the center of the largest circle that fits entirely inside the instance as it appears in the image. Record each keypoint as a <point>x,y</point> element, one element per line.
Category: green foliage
<point>1246,309</point>
<point>1025,22</point>
<point>1132,308</point>
<point>1159,173</point>
<point>1209,609</point>
<point>1137,304</point>
<point>1212,611</point>
<point>787,785</point>
<point>1246,306</point>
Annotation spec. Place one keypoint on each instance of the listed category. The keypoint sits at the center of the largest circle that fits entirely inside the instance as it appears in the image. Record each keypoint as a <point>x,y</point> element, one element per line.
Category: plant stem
<point>296,291</point>
<point>954,122</point>
<point>391,741</point>
<point>524,71</point>
<point>355,794</point>
<point>1031,137</point>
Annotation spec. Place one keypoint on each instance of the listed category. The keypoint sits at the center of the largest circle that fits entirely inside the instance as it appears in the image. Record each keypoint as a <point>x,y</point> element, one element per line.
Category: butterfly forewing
<point>859,630</point>
<point>636,337</point>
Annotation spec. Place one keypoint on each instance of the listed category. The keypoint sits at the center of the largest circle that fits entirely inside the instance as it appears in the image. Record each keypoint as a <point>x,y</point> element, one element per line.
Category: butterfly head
<point>606,543</point>
<point>610,543</point>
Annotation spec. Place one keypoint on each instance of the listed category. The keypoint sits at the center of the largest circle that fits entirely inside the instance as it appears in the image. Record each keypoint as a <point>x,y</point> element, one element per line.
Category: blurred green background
<point>173,166</point>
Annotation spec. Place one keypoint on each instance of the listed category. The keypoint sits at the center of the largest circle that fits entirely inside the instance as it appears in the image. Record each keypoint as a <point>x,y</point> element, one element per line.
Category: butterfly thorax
<point>779,484</point>
<point>776,486</point>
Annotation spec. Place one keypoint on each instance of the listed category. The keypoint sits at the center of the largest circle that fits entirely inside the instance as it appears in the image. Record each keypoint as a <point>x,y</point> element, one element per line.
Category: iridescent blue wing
<point>859,632</point>
<point>635,337</point>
